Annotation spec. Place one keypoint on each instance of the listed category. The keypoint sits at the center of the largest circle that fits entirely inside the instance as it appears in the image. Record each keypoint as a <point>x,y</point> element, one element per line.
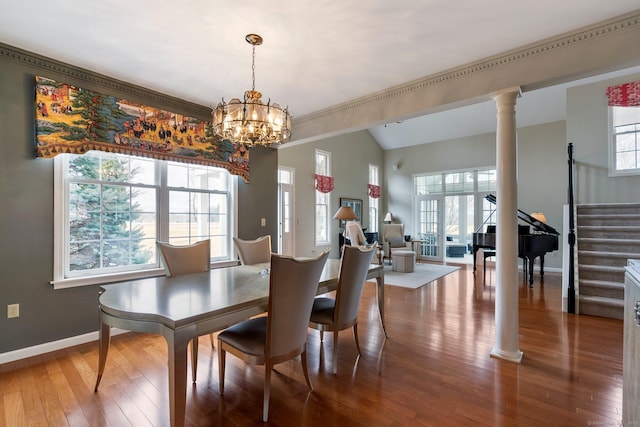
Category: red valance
<point>625,95</point>
<point>324,184</point>
<point>74,120</point>
<point>375,191</point>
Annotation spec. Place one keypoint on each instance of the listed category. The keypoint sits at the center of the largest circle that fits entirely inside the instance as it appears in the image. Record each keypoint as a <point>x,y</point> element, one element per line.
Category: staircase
<point>607,235</point>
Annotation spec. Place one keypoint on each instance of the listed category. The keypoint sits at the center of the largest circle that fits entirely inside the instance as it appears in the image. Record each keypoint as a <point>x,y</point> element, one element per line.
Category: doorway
<point>285,212</point>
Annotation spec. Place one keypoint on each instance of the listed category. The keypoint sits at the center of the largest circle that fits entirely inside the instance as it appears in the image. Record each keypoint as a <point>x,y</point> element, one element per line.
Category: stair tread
<point>607,205</point>
<point>592,267</point>
<point>614,302</point>
<point>611,215</point>
<point>609,227</point>
<point>601,283</point>
<point>632,255</point>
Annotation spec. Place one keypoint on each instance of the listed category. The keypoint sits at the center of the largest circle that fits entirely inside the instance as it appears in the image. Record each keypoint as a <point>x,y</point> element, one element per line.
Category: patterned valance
<point>375,191</point>
<point>324,184</point>
<point>625,95</point>
<point>71,119</point>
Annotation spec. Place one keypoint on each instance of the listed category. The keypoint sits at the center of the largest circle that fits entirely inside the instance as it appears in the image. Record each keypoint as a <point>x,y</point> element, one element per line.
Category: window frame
<point>327,218</point>
<point>374,204</point>
<point>611,126</point>
<point>61,278</point>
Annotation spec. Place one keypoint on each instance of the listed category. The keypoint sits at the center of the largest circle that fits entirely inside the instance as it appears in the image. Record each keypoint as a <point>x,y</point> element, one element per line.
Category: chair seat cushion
<point>249,336</point>
<point>322,311</point>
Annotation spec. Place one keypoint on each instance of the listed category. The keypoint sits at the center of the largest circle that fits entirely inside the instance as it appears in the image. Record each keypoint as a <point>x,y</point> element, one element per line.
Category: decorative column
<point>506,310</point>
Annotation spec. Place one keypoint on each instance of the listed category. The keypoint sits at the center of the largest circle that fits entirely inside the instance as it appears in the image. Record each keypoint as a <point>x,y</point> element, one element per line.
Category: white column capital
<point>513,91</point>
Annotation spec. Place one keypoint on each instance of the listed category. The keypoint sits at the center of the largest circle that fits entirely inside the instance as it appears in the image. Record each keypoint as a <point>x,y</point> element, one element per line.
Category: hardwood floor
<point>433,370</point>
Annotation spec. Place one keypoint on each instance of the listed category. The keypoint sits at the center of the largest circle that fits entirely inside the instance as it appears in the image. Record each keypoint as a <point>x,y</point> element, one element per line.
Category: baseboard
<point>36,350</point>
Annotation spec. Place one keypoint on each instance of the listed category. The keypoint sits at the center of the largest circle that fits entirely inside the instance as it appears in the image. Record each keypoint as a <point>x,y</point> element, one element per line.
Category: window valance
<point>324,184</point>
<point>71,119</point>
<point>624,95</point>
<point>375,191</point>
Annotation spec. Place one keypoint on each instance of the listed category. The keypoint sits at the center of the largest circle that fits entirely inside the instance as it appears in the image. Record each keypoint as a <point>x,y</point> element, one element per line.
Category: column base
<point>515,356</point>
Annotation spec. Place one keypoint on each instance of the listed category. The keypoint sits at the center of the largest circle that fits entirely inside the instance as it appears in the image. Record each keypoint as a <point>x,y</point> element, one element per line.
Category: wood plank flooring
<point>433,370</point>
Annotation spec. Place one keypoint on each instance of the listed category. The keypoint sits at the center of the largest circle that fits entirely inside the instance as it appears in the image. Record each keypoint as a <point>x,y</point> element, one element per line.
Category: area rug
<point>422,274</point>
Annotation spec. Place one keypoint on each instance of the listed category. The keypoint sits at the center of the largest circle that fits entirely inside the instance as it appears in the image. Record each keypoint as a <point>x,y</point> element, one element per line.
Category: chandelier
<point>252,122</point>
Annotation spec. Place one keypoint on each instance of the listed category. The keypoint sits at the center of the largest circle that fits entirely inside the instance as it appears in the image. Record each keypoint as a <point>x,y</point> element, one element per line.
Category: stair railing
<point>571,297</point>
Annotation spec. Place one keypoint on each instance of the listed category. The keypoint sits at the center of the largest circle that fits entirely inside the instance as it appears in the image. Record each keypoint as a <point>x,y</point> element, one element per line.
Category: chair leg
<point>303,357</point>
<point>222,358</point>
<point>267,391</point>
<point>211,339</point>
<point>355,335</point>
<point>335,352</point>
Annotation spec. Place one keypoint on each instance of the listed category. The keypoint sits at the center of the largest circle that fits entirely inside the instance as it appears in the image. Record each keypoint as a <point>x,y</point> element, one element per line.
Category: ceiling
<point>315,55</point>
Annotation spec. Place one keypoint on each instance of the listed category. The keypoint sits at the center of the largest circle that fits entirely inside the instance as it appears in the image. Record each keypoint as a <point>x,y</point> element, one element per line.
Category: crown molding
<point>76,75</point>
<point>604,29</point>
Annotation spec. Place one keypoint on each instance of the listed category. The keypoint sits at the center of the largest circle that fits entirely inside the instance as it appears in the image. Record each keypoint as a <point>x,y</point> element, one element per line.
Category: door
<point>429,229</point>
<point>285,212</point>
<point>459,214</point>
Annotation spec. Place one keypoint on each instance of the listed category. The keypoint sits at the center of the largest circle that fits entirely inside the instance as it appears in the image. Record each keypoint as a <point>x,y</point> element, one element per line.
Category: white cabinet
<point>631,349</point>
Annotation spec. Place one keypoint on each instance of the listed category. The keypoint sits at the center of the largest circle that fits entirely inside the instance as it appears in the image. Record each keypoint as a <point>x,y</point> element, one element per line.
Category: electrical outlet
<point>13,310</point>
<point>263,222</point>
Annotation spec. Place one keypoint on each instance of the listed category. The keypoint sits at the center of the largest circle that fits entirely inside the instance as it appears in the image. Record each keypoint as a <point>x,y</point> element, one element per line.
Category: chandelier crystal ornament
<point>250,121</point>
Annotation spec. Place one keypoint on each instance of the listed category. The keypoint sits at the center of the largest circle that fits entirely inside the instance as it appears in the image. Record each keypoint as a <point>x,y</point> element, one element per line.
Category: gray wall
<point>26,210</point>
<point>542,171</point>
<point>587,129</point>
<point>351,155</point>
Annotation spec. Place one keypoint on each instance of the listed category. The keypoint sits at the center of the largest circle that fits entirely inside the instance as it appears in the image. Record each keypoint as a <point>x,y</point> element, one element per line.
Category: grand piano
<point>530,245</point>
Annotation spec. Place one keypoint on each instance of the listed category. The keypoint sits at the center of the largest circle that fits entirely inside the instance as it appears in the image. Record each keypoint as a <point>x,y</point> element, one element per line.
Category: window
<point>323,167</point>
<point>374,219</point>
<point>447,207</point>
<point>625,141</point>
<point>111,209</point>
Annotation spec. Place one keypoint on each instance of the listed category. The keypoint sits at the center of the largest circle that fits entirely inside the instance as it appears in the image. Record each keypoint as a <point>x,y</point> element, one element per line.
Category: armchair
<point>393,238</point>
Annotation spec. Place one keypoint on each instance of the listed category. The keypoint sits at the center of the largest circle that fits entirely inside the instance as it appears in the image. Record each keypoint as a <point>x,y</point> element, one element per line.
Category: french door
<point>429,227</point>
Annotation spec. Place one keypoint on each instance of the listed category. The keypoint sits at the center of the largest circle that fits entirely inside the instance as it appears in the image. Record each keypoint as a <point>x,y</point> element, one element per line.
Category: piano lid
<point>537,225</point>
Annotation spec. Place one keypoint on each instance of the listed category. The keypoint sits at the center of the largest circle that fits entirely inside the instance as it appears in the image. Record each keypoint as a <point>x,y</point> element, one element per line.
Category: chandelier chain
<point>253,69</point>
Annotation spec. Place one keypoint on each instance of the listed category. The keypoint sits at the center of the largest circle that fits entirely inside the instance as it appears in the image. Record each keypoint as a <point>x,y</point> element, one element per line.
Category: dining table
<point>182,308</point>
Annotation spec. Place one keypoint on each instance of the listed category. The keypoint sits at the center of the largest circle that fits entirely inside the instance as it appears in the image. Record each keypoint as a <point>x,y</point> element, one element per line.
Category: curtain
<point>625,95</point>
<point>324,184</point>
<point>375,191</point>
<point>74,120</point>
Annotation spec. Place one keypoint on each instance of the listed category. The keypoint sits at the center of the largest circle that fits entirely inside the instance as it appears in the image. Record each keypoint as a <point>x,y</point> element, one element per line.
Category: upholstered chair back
<point>178,260</point>
<point>254,251</point>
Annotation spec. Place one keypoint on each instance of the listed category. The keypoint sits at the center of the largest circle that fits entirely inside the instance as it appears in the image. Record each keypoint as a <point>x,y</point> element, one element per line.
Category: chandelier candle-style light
<point>252,122</point>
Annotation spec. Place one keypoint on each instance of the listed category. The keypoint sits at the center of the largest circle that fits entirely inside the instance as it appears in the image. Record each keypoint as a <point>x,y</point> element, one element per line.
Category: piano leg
<point>541,267</point>
<point>475,251</point>
<point>530,261</point>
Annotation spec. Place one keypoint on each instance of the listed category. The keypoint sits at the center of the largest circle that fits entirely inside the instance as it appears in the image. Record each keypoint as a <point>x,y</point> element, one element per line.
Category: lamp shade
<point>388,218</point>
<point>539,216</point>
<point>345,213</point>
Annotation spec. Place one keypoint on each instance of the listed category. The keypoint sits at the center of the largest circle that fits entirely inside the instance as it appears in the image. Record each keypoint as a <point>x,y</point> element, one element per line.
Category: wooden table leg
<point>380,296</point>
<point>105,338</point>
<point>177,343</point>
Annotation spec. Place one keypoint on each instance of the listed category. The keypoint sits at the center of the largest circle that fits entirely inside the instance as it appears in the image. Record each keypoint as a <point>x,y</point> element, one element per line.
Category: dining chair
<point>281,335</point>
<point>329,314</point>
<point>254,251</point>
<point>187,259</point>
<point>178,260</point>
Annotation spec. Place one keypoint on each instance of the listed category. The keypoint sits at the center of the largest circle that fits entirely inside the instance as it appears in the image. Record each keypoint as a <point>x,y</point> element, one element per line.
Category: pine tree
<point>101,216</point>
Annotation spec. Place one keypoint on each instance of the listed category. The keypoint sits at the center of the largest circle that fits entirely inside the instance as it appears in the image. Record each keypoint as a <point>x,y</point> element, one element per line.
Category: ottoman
<point>403,261</point>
